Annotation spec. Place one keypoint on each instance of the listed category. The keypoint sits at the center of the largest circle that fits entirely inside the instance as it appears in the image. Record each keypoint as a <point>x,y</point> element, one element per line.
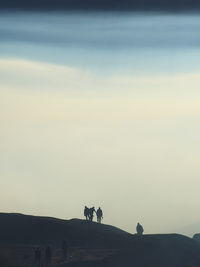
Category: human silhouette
<point>99,215</point>
<point>37,257</point>
<point>91,213</point>
<point>139,229</point>
<point>86,213</point>
<point>65,249</point>
<point>48,255</point>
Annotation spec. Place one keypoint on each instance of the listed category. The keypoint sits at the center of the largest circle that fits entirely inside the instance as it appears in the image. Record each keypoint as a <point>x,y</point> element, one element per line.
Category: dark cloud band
<point>103,5</point>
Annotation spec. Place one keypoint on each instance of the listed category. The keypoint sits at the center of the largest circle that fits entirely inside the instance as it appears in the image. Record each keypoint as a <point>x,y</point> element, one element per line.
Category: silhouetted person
<point>139,229</point>
<point>86,213</point>
<point>48,255</point>
<point>91,213</point>
<point>99,215</point>
<point>37,257</point>
<point>65,249</point>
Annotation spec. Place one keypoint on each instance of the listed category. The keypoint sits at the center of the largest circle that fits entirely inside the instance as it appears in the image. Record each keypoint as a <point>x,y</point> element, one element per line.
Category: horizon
<point>186,231</point>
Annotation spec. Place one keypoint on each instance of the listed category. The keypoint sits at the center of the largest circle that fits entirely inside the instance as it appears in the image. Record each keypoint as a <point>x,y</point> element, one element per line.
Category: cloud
<point>102,32</point>
<point>103,5</point>
<point>41,91</point>
<point>40,76</point>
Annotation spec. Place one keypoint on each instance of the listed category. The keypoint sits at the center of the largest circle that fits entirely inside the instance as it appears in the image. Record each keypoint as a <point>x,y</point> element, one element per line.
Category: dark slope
<point>108,5</point>
<point>159,251</point>
<point>25,229</point>
<point>152,251</point>
<point>169,250</point>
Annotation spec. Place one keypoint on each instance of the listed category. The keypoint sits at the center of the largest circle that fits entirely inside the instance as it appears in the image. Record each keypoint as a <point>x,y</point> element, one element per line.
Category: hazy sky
<point>101,110</point>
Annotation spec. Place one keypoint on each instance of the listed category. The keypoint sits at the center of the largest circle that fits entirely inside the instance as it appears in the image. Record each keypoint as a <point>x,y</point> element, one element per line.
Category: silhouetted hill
<point>26,229</point>
<point>110,5</point>
<point>152,251</point>
<point>92,244</point>
<point>159,251</point>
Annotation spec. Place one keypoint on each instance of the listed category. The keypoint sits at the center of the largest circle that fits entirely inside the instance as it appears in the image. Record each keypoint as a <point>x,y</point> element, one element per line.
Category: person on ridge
<point>91,213</point>
<point>86,213</point>
<point>139,229</point>
<point>99,215</point>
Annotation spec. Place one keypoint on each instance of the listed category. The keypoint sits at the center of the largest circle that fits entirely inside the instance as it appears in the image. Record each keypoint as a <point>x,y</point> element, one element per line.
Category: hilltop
<point>91,244</point>
<point>26,229</point>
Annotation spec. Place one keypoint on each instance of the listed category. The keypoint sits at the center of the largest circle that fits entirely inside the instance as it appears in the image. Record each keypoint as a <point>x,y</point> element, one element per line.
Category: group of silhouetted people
<point>38,256</point>
<point>89,214</point>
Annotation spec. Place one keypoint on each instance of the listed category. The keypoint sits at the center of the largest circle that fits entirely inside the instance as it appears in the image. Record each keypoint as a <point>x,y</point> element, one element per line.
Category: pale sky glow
<point>110,122</point>
<point>59,93</point>
<point>129,150</point>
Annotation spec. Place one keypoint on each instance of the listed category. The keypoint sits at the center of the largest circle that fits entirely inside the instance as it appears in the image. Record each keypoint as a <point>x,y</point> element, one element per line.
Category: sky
<point>101,109</point>
<point>103,5</point>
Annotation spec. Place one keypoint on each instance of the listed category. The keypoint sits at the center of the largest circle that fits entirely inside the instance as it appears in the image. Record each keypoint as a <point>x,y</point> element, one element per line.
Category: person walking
<point>91,214</point>
<point>99,215</point>
<point>86,213</point>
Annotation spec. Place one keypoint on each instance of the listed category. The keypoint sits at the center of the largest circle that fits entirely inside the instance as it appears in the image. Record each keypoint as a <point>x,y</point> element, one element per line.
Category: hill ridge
<point>21,228</point>
<point>93,244</point>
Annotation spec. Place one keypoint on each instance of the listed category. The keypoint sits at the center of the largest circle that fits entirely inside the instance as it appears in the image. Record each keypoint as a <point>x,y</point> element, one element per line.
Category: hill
<point>26,229</point>
<point>91,244</point>
<point>104,5</point>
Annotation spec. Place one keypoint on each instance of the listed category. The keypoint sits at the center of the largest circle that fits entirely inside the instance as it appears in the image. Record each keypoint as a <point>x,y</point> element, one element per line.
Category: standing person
<point>37,257</point>
<point>65,249</point>
<point>91,213</point>
<point>48,255</point>
<point>139,229</point>
<point>86,213</point>
<point>99,215</point>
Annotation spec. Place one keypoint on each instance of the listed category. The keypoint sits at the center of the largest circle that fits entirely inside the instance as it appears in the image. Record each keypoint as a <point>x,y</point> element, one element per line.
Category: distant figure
<point>197,237</point>
<point>65,249</point>
<point>91,213</point>
<point>37,257</point>
<point>48,255</point>
<point>99,215</point>
<point>86,213</point>
<point>139,229</point>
